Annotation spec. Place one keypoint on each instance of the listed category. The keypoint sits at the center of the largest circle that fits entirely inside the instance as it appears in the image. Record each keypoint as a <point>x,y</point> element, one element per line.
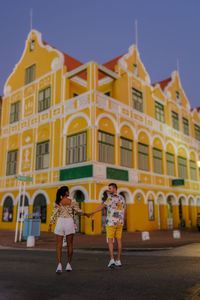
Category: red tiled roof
<point>72,63</point>
<point>112,63</point>
<point>163,83</point>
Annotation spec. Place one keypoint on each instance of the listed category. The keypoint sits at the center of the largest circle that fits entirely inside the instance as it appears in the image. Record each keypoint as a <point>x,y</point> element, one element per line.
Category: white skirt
<point>64,226</point>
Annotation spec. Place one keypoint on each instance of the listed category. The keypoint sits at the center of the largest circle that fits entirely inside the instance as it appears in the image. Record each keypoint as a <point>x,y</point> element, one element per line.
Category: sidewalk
<point>159,239</point>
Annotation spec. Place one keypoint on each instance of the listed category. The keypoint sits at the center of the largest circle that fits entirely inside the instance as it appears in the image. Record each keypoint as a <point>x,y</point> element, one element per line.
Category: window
<point>178,97</point>
<point>126,152</point>
<point>170,164</point>
<point>106,147</point>
<point>7,215</point>
<point>193,174</point>
<point>157,160</point>
<point>42,155</point>
<point>159,112</point>
<point>107,93</point>
<point>143,157</point>
<point>11,163</point>
<point>185,126</point>
<point>175,121</point>
<point>197,132</point>
<point>137,99</point>
<point>40,207</point>
<point>77,148</point>
<point>30,74</point>
<point>182,167</point>
<point>14,112</point>
<point>32,45</point>
<point>44,99</point>
<point>135,69</point>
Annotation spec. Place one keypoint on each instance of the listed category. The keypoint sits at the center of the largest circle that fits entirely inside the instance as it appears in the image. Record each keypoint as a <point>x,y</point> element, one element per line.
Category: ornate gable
<point>36,52</point>
<point>132,63</point>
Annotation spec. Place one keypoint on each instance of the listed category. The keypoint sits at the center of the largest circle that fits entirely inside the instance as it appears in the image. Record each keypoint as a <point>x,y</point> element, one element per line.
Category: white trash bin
<point>30,241</point>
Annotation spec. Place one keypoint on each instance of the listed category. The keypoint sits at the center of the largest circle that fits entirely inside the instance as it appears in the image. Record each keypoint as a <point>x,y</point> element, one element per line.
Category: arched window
<point>40,207</point>
<point>26,205</point>
<point>7,215</point>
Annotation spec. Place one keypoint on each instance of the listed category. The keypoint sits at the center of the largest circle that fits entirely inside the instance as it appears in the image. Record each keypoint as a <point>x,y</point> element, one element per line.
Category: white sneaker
<point>68,267</point>
<point>59,269</point>
<point>111,263</point>
<point>118,263</point>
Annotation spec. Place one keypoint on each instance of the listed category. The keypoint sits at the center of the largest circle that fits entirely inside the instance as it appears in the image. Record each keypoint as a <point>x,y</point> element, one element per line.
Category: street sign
<point>177,182</point>
<point>23,178</point>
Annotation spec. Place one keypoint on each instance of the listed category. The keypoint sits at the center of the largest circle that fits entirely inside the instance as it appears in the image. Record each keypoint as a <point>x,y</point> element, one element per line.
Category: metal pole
<point>22,215</point>
<point>16,229</point>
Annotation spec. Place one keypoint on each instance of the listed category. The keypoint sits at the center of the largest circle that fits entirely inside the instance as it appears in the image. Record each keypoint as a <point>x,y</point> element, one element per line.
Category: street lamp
<point>198,163</point>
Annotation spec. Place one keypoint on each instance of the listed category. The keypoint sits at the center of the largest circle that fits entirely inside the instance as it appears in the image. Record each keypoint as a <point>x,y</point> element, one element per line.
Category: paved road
<point>30,274</point>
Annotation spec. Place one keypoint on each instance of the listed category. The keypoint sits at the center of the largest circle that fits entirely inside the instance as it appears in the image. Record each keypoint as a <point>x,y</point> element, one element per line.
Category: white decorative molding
<point>7,90</point>
<point>47,47</point>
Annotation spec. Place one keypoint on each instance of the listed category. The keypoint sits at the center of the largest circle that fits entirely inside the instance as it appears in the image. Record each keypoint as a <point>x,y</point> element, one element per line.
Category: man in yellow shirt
<point>115,205</point>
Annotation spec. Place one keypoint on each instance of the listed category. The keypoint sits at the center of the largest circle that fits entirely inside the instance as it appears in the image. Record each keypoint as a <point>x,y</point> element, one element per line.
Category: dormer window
<point>135,69</point>
<point>178,97</point>
<point>32,45</point>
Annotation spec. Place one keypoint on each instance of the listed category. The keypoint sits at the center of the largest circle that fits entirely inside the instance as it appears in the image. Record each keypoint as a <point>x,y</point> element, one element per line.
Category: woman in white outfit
<point>63,210</point>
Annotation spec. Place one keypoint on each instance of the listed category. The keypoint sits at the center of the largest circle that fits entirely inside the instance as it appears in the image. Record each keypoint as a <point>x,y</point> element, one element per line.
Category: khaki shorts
<point>114,231</point>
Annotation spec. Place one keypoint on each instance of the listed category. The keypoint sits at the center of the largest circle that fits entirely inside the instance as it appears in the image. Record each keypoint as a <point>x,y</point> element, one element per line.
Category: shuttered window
<point>137,99</point>
<point>44,99</point>
<point>30,74</point>
<point>182,167</point>
<point>197,132</point>
<point>193,173</point>
<point>175,120</point>
<point>159,112</point>
<point>143,157</point>
<point>77,148</point>
<point>106,147</point>
<point>11,168</point>
<point>170,164</point>
<point>42,155</point>
<point>185,126</point>
<point>14,112</point>
<point>157,160</point>
<point>126,152</point>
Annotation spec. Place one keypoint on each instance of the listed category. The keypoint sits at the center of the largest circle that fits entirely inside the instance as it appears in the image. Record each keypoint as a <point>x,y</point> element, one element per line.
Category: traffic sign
<point>23,178</point>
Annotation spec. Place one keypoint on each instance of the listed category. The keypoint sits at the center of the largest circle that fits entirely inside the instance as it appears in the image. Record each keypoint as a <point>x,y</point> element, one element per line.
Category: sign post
<point>21,179</point>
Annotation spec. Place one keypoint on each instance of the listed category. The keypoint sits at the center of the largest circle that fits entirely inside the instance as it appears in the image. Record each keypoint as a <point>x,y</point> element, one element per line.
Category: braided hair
<point>61,192</point>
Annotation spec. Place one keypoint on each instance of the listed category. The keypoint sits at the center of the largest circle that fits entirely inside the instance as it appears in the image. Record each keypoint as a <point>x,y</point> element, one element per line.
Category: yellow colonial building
<point>86,125</point>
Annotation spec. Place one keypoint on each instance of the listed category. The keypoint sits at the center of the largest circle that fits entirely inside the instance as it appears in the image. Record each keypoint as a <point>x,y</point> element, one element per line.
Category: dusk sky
<point>104,29</point>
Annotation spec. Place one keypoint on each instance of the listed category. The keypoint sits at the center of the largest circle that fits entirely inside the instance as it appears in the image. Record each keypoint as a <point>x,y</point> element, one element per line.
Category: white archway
<point>109,117</point>
<point>82,189</point>
<point>75,117</point>
<point>129,199</point>
<point>22,193</point>
<point>141,192</point>
<point>7,195</point>
<point>37,193</point>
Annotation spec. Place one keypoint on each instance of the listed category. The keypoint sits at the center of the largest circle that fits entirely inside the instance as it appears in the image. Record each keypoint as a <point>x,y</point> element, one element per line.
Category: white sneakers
<point>59,269</point>
<point>68,267</point>
<point>111,263</point>
<point>116,263</point>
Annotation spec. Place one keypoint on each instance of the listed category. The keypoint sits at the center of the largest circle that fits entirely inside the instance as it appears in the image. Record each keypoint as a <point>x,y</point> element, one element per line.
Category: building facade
<point>86,125</point>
